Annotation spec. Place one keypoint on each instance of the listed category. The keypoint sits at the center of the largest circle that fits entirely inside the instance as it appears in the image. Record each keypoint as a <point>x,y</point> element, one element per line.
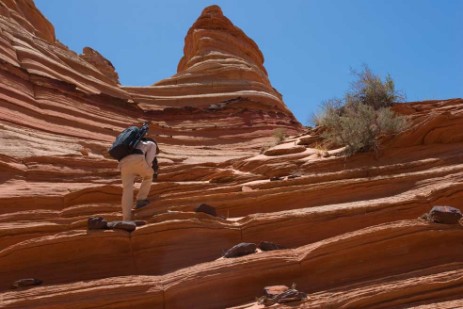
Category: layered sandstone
<point>222,68</point>
<point>349,228</point>
<point>222,84</point>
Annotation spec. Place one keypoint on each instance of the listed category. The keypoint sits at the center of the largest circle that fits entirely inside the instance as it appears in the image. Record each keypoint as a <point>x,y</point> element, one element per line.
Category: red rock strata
<point>349,227</point>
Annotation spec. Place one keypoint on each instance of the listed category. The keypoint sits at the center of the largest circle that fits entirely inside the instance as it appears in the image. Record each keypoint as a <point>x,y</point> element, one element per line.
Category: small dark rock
<point>281,294</point>
<point>276,178</point>
<point>26,283</point>
<point>292,176</point>
<point>139,222</point>
<point>268,246</point>
<point>207,209</point>
<point>445,215</point>
<point>290,296</point>
<point>128,226</point>
<point>241,249</point>
<point>96,223</point>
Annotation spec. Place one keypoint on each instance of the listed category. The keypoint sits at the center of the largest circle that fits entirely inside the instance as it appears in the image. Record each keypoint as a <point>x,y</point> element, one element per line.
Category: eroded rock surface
<point>348,230</point>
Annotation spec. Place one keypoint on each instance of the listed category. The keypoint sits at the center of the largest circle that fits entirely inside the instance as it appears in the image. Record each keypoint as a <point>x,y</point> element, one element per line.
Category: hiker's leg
<point>128,179</point>
<point>145,188</point>
<point>146,172</point>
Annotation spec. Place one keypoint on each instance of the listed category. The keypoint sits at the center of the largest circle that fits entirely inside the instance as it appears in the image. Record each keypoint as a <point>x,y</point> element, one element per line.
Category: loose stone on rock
<point>28,282</point>
<point>241,249</point>
<point>444,215</point>
<point>128,226</point>
<point>268,246</point>
<point>96,223</point>
<point>281,294</point>
<point>207,209</point>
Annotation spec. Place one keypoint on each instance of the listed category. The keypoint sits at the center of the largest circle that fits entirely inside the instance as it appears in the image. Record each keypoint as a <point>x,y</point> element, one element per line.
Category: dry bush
<point>279,135</point>
<point>321,150</point>
<point>369,89</point>
<point>363,115</point>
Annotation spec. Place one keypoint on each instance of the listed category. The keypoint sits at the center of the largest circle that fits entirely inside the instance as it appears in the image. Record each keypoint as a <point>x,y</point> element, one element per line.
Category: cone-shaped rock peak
<point>214,36</point>
<point>220,59</point>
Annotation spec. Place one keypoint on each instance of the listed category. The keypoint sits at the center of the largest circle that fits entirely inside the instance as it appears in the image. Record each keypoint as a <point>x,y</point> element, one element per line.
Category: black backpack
<point>126,142</point>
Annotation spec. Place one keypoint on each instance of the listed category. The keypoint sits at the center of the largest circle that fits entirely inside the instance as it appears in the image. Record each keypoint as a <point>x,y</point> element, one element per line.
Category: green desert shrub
<point>364,114</point>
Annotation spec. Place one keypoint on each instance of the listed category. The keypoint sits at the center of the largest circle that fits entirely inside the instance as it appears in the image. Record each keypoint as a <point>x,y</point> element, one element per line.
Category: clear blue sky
<point>309,45</point>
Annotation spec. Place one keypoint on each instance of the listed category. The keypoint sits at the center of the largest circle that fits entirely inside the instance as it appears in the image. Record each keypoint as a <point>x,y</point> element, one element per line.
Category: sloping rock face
<point>104,65</point>
<point>220,60</point>
<point>349,229</point>
<point>221,79</point>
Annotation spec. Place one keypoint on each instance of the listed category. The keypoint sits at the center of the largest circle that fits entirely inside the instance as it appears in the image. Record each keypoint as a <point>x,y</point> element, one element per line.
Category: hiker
<point>137,157</point>
<point>136,164</point>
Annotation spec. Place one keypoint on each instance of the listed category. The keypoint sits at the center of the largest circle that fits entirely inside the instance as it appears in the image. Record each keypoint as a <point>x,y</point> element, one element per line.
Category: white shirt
<point>149,149</point>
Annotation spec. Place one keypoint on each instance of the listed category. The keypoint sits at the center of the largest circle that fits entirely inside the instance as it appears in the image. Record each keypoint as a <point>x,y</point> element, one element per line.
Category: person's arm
<point>150,152</point>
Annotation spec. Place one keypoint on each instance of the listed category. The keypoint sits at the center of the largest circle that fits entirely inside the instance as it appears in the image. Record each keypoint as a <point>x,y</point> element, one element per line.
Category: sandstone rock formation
<point>221,68</point>
<point>221,80</point>
<point>104,65</point>
<point>349,229</point>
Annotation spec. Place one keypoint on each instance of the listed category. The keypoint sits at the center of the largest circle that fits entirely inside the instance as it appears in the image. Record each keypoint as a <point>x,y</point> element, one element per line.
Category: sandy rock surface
<point>349,228</point>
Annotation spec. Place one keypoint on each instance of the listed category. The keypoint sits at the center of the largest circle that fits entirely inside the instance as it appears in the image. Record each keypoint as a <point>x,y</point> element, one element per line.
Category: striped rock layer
<point>349,229</point>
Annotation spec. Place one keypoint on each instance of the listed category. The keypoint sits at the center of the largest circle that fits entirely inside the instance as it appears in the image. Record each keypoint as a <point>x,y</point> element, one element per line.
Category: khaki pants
<point>131,167</point>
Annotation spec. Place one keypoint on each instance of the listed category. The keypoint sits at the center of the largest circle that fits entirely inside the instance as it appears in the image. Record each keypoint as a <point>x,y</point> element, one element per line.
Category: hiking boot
<point>141,204</point>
